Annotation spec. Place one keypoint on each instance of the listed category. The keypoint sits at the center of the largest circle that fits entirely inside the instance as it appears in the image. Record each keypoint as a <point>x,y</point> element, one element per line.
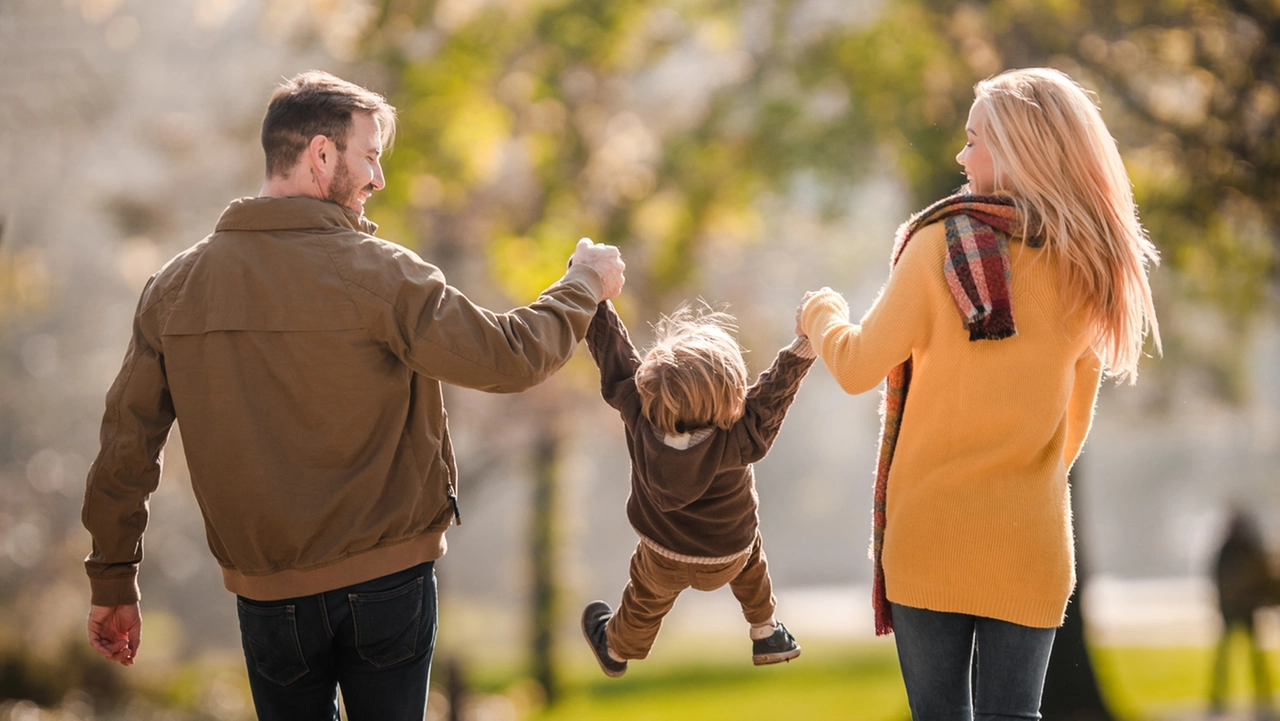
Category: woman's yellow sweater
<point>978,516</point>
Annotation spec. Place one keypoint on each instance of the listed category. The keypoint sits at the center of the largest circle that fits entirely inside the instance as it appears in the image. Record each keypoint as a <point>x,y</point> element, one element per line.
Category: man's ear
<point>321,152</point>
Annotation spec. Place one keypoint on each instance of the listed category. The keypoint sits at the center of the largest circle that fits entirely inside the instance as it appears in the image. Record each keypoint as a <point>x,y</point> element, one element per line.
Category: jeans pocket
<point>271,633</point>
<point>387,623</point>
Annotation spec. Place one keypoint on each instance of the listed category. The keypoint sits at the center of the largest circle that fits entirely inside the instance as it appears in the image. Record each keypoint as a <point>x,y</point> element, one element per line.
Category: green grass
<point>713,684</point>
<point>1154,683</point>
<point>847,681</point>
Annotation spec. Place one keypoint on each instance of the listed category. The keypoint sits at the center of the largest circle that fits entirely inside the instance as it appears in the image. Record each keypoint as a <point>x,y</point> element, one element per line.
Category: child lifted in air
<point>693,430</point>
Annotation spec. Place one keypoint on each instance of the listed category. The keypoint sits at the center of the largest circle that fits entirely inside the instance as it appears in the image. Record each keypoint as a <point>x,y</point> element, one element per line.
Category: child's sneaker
<point>779,647</point>
<point>594,619</point>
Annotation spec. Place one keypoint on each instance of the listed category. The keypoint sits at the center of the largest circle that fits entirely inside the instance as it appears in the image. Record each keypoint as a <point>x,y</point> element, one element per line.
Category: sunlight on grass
<point>717,681</point>
<point>1154,683</point>
<point>713,680</point>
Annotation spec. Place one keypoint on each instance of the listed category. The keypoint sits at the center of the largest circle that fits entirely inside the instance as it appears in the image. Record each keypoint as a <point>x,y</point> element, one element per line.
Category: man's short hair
<point>317,103</point>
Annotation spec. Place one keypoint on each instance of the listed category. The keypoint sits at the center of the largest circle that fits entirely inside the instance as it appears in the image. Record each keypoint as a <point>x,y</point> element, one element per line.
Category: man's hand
<point>116,631</point>
<point>606,260</point>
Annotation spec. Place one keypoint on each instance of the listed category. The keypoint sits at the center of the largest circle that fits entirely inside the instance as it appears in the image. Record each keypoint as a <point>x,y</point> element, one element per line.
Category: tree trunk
<point>455,688</point>
<point>1071,687</point>
<point>546,462</point>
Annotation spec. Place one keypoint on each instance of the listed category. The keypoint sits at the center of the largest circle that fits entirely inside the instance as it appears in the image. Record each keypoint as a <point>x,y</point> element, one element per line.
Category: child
<point>693,430</point>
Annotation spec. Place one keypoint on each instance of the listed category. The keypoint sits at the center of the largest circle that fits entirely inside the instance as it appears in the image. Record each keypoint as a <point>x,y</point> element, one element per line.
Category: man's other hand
<point>606,260</point>
<point>116,631</point>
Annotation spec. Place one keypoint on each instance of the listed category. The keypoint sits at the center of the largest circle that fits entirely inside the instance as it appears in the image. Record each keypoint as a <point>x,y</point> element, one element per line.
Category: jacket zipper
<point>453,499</point>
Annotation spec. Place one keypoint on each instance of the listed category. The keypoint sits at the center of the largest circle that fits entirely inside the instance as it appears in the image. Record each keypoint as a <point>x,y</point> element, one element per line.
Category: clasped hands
<point>800,309</point>
<point>605,260</point>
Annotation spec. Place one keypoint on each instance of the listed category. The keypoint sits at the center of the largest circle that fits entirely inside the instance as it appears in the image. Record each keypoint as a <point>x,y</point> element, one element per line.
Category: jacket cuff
<point>114,591</point>
<point>588,276</point>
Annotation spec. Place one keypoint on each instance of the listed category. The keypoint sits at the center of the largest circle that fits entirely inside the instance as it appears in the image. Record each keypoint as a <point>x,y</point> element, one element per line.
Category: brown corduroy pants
<point>656,581</point>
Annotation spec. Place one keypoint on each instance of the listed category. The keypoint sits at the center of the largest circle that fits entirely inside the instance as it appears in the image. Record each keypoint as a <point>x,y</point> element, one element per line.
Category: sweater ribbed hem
<point>1033,611</point>
<point>357,568</point>
<point>706,560</point>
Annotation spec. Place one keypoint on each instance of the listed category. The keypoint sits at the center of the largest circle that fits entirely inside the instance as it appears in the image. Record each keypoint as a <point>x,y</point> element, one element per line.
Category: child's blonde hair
<point>1052,151</point>
<point>693,376</point>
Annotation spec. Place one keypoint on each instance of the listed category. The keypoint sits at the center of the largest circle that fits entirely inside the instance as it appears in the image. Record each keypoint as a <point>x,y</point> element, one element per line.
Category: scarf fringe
<point>997,326</point>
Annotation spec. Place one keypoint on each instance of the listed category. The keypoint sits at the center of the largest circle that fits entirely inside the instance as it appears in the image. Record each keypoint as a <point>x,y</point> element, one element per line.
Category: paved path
<point>1120,612</point>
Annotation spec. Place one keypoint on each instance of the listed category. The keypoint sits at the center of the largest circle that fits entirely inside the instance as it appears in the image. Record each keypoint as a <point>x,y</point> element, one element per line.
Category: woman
<point>1004,306</point>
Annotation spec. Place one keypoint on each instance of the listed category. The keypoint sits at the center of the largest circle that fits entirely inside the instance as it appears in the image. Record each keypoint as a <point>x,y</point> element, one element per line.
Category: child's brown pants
<point>656,581</point>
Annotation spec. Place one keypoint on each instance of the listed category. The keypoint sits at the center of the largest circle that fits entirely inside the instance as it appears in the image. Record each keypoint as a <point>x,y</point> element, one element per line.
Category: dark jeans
<point>374,639</point>
<point>935,651</point>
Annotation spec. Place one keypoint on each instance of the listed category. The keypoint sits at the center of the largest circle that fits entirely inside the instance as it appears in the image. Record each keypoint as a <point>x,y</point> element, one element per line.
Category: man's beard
<point>343,189</point>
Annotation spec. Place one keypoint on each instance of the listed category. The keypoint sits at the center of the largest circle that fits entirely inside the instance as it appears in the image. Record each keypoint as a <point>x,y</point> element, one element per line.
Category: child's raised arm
<point>614,354</point>
<point>771,396</point>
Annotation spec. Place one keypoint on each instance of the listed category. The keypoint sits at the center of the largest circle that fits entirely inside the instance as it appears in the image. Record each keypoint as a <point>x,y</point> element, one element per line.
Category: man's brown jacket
<point>303,359</point>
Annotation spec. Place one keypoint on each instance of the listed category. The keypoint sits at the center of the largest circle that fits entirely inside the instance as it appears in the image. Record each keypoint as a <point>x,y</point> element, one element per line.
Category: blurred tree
<point>546,472</point>
<point>23,279</point>
<point>1071,691</point>
<point>26,675</point>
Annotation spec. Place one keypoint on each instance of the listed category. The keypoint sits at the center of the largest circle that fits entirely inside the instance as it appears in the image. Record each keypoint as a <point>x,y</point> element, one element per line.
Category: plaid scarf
<point>977,273</point>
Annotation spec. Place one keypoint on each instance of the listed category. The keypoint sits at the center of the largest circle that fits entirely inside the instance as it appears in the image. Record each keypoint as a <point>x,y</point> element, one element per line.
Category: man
<point>1242,575</point>
<point>304,358</point>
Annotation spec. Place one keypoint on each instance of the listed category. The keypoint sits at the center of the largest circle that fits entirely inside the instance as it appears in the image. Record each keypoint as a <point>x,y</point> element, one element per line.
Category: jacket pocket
<point>387,623</point>
<point>271,633</point>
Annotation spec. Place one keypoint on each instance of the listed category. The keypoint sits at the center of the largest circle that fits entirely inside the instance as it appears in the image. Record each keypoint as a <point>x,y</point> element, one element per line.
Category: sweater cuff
<point>802,348</point>
<point>114,591</point>
<point>816,314</point>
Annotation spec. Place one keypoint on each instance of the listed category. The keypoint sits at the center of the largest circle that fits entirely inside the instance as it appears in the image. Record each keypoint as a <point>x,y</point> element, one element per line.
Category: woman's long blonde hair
<point>1053,153</point>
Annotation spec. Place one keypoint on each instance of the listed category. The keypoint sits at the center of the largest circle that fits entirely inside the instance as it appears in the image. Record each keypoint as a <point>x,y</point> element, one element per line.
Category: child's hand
<point>800,312</point>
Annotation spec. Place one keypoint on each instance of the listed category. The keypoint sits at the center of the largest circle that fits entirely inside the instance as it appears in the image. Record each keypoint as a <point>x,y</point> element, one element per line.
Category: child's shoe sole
<point>594,616</point>
<point>765,659</point>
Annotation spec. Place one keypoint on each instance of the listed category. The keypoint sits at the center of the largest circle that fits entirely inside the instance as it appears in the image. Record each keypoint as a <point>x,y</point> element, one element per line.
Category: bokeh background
<point>740,151</point>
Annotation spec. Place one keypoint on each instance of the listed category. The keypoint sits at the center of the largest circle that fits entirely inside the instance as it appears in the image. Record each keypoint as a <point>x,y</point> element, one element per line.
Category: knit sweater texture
<point>978,516</point>
<point>701,500</point>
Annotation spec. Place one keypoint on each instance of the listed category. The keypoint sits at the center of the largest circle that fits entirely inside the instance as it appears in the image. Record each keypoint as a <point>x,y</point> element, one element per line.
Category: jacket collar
<point>297,213</point>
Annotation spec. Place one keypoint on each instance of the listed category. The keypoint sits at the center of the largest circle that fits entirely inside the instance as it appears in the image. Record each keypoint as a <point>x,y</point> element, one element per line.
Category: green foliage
<point>657,126</point>
<point>649,125</point>
<point>27,676</point>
